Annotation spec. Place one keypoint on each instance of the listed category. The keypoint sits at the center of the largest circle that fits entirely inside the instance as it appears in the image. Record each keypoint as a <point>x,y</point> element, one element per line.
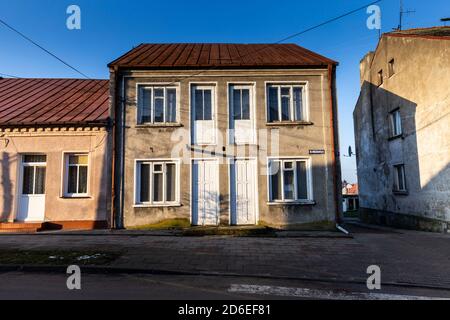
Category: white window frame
<point>35,165</point>
<point>396,188</point>
<point>395,121</point>
<point>251,86</point>
<point>66,165</point>
<point>291,85</point>
<point>203,85</point>
<point>137,184</point>
<point>152,87</point>
<point>309,182</point>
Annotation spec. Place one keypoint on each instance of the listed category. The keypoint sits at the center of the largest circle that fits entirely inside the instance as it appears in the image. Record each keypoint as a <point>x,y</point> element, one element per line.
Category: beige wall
<point>420,88</point>
<point>53,143</point>
<point>146,142</point>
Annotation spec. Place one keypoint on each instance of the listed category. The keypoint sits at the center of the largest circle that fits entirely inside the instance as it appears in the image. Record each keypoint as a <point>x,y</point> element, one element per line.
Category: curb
<point>123,270</point>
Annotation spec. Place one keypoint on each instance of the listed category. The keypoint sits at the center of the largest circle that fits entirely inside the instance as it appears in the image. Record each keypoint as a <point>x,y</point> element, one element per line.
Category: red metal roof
<point>227,55</point>
<point>53,101</point>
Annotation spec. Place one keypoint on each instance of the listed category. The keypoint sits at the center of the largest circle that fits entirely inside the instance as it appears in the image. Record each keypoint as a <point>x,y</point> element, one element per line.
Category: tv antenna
<point>402,13</point>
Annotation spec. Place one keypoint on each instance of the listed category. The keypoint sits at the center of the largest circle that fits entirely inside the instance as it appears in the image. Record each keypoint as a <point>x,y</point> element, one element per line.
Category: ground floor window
<point>157,182</point>
<point>76,175</point>
<point>289,180</point>
<point>33,175</point>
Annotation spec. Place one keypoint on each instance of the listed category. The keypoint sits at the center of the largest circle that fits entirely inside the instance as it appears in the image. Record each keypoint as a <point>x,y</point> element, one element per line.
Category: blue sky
<point>110,28</point>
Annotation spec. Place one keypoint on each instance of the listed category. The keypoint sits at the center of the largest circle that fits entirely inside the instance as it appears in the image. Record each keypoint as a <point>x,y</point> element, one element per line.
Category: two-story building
<point>225,134</point>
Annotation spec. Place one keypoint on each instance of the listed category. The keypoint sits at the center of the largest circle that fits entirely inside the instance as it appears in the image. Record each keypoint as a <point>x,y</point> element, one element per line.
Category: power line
<point>8,75</point>
<point>292,35</point>
<point>42,48</point>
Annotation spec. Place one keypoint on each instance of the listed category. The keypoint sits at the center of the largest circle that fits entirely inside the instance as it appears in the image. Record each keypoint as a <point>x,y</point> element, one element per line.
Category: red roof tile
<point>227,55</point>
<point>53,101</point>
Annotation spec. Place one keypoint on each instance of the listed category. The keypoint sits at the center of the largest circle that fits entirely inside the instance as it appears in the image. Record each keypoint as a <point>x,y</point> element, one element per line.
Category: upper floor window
<point>157,104</point>
<point>76,175</point>
<point>286,102</point>
<point>289,180</point>
<point>399,178</point>
<point>380,77</point>
<point>395,123</point>
<point>391,66</point>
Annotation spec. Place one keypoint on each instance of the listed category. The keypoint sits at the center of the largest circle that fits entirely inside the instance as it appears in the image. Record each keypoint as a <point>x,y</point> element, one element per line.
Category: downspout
<point>122,154</point>
<point>335,146</point>
<point>113,147</point>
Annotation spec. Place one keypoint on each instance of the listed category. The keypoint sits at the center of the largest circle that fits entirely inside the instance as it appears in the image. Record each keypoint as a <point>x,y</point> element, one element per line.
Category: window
<point>34,171</point>
<point>76,181</point>
<point>157,182</point>
<point>289,180</point>
<point>203,104</point>
<point>395,123</point>
<point>157,104</point>
<point>286,103</point>
<point>241,103</point>
<point>380,77</point>
<point>391,67</point>
<point>399,178</point>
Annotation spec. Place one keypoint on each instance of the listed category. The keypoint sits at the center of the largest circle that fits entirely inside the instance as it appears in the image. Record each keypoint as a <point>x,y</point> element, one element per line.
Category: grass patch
<point>168,224</point>
<point>351,214</point>
<point>57,257</point>
<point>230,231</point>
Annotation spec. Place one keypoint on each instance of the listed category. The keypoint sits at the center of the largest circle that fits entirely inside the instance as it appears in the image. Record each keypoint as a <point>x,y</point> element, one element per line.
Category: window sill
<point>159,125</point>
<point>289,123</point>
<point>297,203</point>
<point>396,137</point>
<point>157,205</point>
<point>400,193</point>
<point>76,197</point>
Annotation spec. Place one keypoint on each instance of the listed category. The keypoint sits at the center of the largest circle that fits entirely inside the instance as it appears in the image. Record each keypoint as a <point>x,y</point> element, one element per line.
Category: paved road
<point>405,257</point>
<point>17,285</point>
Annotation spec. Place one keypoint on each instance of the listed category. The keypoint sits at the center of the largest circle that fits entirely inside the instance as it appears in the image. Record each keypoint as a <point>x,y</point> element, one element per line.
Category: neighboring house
<point>225,134</point>
<point>402,127</point>
<point>54,153</point>
<point>350,200</point>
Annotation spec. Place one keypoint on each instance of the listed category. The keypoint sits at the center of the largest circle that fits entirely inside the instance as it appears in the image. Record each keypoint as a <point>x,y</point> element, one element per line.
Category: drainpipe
<point>117,165</point>
<point>113,147</point>
<point>335,146</point>
<point>122,154</point>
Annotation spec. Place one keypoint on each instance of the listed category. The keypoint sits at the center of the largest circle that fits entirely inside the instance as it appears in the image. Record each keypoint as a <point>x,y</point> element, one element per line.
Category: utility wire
<point>42,48</point>
<point>8,75</point>
<point>291,36</point>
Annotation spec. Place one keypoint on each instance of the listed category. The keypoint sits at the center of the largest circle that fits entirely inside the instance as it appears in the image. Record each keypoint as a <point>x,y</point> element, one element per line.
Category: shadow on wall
<point>6,183</point>
<point>378,152</point>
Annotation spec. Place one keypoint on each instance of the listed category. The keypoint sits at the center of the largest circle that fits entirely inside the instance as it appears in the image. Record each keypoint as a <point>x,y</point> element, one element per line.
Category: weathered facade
<point>55,154</point>
<point>196,135</point>
<point>402,129</point>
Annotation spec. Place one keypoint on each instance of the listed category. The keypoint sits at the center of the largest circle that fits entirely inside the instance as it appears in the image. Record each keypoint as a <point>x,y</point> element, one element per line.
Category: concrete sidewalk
<point>405,258</point>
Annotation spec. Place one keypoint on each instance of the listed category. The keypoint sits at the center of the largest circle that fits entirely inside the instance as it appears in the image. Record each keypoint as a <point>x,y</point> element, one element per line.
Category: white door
<point>32,188</point>
<point>202,115</point>
<point>243,192</point>
<point>242,124</point>
<point>205,192</point>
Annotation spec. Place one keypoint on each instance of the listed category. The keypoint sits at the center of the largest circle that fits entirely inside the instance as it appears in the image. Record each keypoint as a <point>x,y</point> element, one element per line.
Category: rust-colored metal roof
<point>53,101</point>
<point>222,55</point>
